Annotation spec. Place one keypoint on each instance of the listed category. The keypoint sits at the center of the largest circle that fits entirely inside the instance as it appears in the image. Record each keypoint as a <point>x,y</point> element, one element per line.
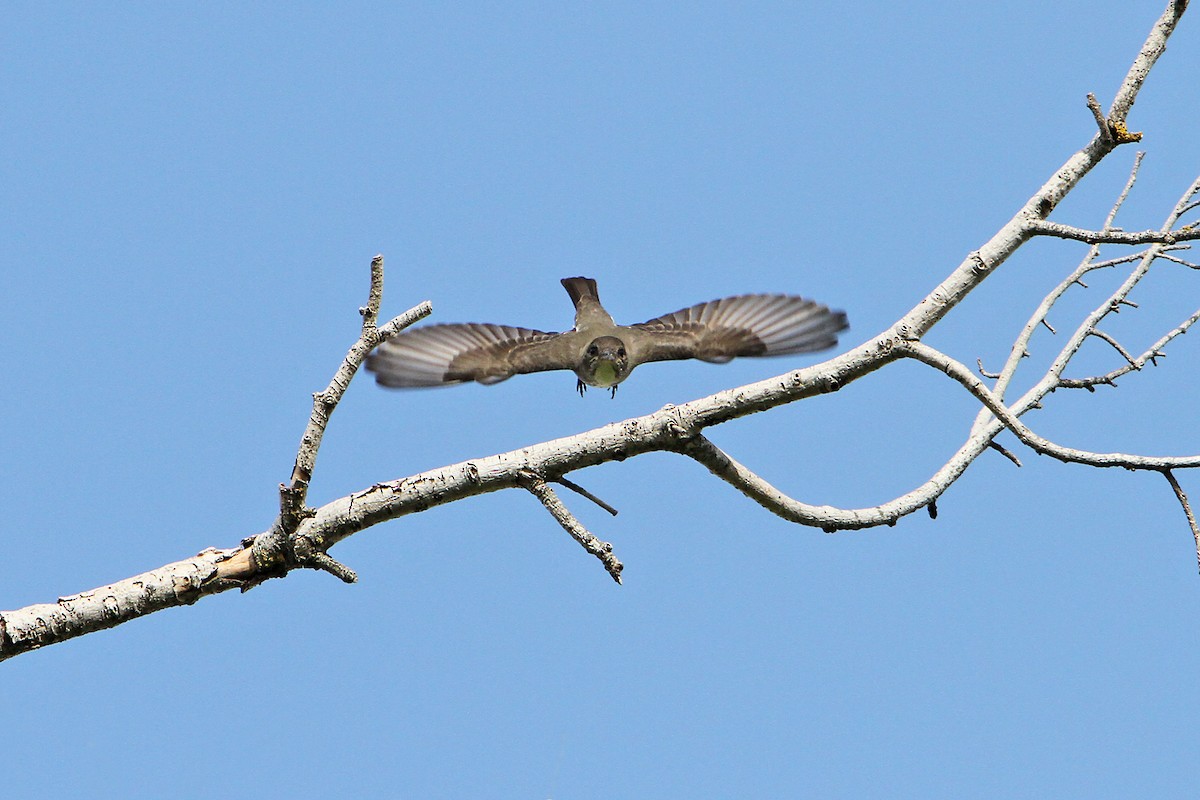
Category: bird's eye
<point>593,350</point>
<point>621,352</point>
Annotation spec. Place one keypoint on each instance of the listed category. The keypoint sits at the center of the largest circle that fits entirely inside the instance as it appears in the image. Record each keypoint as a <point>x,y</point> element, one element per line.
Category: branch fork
<point>286,545</point>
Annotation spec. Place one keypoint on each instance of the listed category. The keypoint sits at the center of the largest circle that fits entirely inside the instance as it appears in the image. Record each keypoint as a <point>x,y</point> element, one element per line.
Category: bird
<point>600,352</point>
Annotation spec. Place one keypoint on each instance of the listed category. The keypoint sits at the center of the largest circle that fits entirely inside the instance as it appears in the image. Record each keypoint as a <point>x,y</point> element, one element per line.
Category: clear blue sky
<point>191,195</point>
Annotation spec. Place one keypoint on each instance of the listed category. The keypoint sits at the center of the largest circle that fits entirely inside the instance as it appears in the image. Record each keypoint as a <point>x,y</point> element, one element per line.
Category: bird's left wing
<point>439,355</point>
<point>748,325</point>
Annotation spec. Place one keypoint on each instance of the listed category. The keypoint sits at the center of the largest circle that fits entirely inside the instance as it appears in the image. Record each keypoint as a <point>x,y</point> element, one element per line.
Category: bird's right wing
<point>439,355</point>
<point>748,325</point>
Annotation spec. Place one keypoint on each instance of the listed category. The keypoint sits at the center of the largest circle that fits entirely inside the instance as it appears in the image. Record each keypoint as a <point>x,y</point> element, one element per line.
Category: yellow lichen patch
<point>1123,135</point>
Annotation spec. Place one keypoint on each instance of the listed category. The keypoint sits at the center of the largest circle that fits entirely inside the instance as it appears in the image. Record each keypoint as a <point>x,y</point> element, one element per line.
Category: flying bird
<point>600,352</point>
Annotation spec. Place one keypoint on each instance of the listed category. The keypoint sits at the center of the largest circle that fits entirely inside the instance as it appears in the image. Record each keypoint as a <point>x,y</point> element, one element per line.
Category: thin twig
<point>1099,334</point>
<point>1053,376</point>
<point>310,556</point>
<point>1004,451</point>
<point>579,490</point>
<point>1124,195</point>
<point>1101,123</point>
<point>1180,261</point>
<point>1125,259</point>
<point>1187,510</point>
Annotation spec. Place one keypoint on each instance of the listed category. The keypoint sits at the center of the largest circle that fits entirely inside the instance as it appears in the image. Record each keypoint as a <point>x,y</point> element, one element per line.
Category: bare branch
<point>959,372</point>
<point>1016,231</point>
<point>1118,297</point>
<point>1153,352</point>
<point>1124,195</point>
<point>1128,258</point>
<point>307,555</point>
<point>1043,227</point>
<point>1053,378</point>
<point>601,550</point>
<point>370,312</point>
<point>293,495</point>
<point>827,518</point>
<point>1187,509</point>
<point>181,583</point>
<point>1020,347</point>
<point>279,548</point>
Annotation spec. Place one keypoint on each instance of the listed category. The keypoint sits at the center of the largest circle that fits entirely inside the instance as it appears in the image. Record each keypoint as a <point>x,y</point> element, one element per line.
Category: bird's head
<point>605,362</point>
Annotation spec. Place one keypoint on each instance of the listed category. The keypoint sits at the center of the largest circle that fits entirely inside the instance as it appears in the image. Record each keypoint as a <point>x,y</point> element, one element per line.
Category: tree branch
<point>301,536</point>
<point>1020,348</point>
<point>292,496</point>
<point>1053,379</point>
<point>279,548</point>
<point>1043,227</point>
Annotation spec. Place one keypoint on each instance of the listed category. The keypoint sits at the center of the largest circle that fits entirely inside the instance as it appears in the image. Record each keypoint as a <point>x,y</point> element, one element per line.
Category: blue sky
<point>190,199</point>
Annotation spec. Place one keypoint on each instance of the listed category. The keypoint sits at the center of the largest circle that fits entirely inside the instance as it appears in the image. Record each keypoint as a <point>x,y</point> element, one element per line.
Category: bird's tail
<point>579,288</point>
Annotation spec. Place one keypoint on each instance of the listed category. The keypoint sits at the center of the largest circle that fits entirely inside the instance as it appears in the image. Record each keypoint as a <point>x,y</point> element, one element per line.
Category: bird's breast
<point>605,374</point>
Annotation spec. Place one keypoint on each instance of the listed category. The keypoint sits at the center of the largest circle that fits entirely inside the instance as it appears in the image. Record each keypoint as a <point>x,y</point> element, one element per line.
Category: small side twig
<point>1004,451</point>
<point>1183,262</point>
<point>590,542</point>
<point>1187,509</point>
<point>1097,112</point>
<point>579,490</point>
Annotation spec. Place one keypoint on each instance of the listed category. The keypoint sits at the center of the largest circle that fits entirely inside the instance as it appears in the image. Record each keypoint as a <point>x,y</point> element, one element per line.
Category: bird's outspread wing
<point>748,325</point>
<point>438,355</point>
